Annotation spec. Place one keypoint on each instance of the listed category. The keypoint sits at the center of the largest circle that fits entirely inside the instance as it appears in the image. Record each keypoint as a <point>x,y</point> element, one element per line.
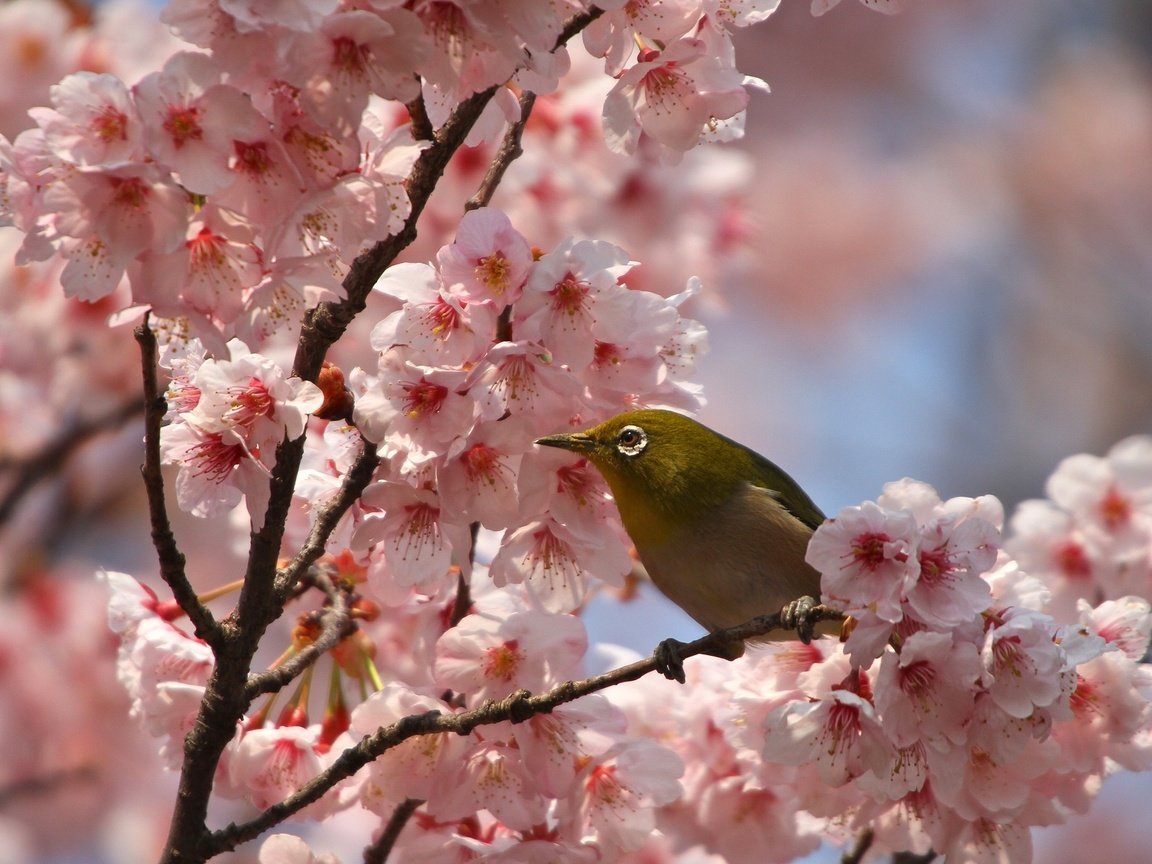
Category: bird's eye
<point>631,441</point>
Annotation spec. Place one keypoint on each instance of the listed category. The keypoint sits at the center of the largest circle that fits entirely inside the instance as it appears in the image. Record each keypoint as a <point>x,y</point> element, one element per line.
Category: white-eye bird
<point>721,530</point>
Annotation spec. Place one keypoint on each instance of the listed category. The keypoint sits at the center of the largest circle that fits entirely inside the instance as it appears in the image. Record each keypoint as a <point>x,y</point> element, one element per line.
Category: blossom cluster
<point>963,709</point>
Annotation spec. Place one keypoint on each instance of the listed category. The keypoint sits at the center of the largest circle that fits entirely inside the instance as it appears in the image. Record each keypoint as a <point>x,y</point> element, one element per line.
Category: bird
<point>721,530</point>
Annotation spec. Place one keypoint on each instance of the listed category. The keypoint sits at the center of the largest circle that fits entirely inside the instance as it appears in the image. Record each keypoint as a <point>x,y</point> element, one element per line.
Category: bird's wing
<point>787,492</point>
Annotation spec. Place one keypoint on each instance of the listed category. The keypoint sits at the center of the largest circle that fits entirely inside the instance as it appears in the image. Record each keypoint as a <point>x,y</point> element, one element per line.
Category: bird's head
<point>663,468</point>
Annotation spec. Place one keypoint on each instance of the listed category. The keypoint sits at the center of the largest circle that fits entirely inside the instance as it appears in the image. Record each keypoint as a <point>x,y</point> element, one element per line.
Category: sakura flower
<point>523,378</point>
<point>104,218</point>
<point>621,789</point>
<point>494,777</point>
<point>424,766</point>
<point>614,34</point>
<point>559,743</point>
<point>555,564</point>
<point>926,691</point>
<point>559,307</point>
<point>209,272</point>
<point>948,589</point>
<point>269,764</point>
<point>1125,623</point>
<point>251,397</point>
<point>478,476</point>
<point>189,117</point>
<point>489,658</point>
<point>290,849</point>
<point>1023,663</point>
<point>93,121</point>
<point>840,734</point>
<point>412,546</point>
<point>437,326</point>
<point>672,96</point>
<point>413,409</point>
<point>355,54</point>
<point>866,554</point>
<point>1110,496</point>
<point>488,261</point>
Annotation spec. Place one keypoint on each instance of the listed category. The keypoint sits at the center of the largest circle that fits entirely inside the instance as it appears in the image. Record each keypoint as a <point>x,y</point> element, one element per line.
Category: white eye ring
<point>631,441</point>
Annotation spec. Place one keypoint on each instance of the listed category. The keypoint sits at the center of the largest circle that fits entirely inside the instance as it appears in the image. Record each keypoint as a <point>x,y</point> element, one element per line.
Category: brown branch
<point>509,151</point>
<point>421,126</point>
<point>45,784</point>
<point>51,459</point>
<point>863,843</point>
<point>517,708</point>
<point>168,552</point>
<point>336,623</point>
<point>329,516</point>
<point>913,858</point>
<point>377,851</point>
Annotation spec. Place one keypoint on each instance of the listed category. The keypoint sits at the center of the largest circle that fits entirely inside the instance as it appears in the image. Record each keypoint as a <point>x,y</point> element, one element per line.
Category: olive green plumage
<point>721,530</point>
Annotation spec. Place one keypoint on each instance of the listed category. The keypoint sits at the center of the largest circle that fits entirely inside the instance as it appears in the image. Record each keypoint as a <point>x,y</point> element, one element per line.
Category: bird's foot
<point>797,616</point>
<point>669,663</point>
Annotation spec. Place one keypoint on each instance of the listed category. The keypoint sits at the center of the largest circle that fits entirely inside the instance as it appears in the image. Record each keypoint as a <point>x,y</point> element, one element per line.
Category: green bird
<point>721,530</point>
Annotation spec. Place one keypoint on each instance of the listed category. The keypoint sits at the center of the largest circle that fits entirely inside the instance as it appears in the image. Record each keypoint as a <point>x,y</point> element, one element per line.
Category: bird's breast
<point>741,559</point>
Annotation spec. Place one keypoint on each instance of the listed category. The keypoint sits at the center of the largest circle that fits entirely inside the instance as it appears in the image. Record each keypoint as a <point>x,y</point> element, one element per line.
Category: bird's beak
<point>577,442</point>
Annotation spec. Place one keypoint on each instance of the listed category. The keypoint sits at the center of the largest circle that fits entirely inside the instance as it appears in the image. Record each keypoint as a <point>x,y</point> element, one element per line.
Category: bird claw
<point>668,660</point>
<point>797,616</point>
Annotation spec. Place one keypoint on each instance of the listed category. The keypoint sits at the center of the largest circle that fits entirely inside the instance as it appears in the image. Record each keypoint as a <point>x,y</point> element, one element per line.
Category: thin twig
<point>378,850</point>
<point>327,518</point>
<point>27,472</point>
<point>913,858</point>
<point>167,550</point>
<point>517,708</point>
<point>509,151</point>
<point>863,843</point>
<point>421,126</point>
<point>45,784</point>
<point>335,624</point>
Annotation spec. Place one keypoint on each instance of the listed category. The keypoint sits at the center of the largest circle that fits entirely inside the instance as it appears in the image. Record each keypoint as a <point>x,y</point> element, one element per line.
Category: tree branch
<point>863,843</point>
<point>509,151</point>
<point>167,550</point>
<point>27,472</point>
<point>517,708</point>
<point>329,516</point>
<point>336,623</point>
<point>378,851</point>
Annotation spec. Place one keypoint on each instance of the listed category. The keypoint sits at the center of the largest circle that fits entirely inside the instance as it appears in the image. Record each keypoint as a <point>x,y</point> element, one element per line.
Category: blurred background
<point>937,263</point>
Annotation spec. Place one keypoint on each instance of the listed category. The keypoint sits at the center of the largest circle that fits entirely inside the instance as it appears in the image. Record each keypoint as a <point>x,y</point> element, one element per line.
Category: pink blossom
<point>926,692</point>
<point>1023,663</point>
<point>478,476</point>
<point>412,546</point>
<point>560,302</point>
<point>1110,496</point>
<point>104,218</point>
<point>495,778</point>
<point>438,327</point>
<point>1125,622</point>
<point>270,764</point>
<point>558,744</point>
<point>523,378</point>
<point>210,272</point>
<point>189,117</point>
<point>489,260</point>
<point>290,849</point>
<point>866,555</point>
<point>948,589</point>
<point>555,564</point>
<point>614,34</point>
<point>93,121</point>
<point>353,55</point>
<point>489,657</point>
<point>421,767</point>
<point>413,409</point>
<point>672,96</point>
<point>840,734</point>
<point>620,790</point>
